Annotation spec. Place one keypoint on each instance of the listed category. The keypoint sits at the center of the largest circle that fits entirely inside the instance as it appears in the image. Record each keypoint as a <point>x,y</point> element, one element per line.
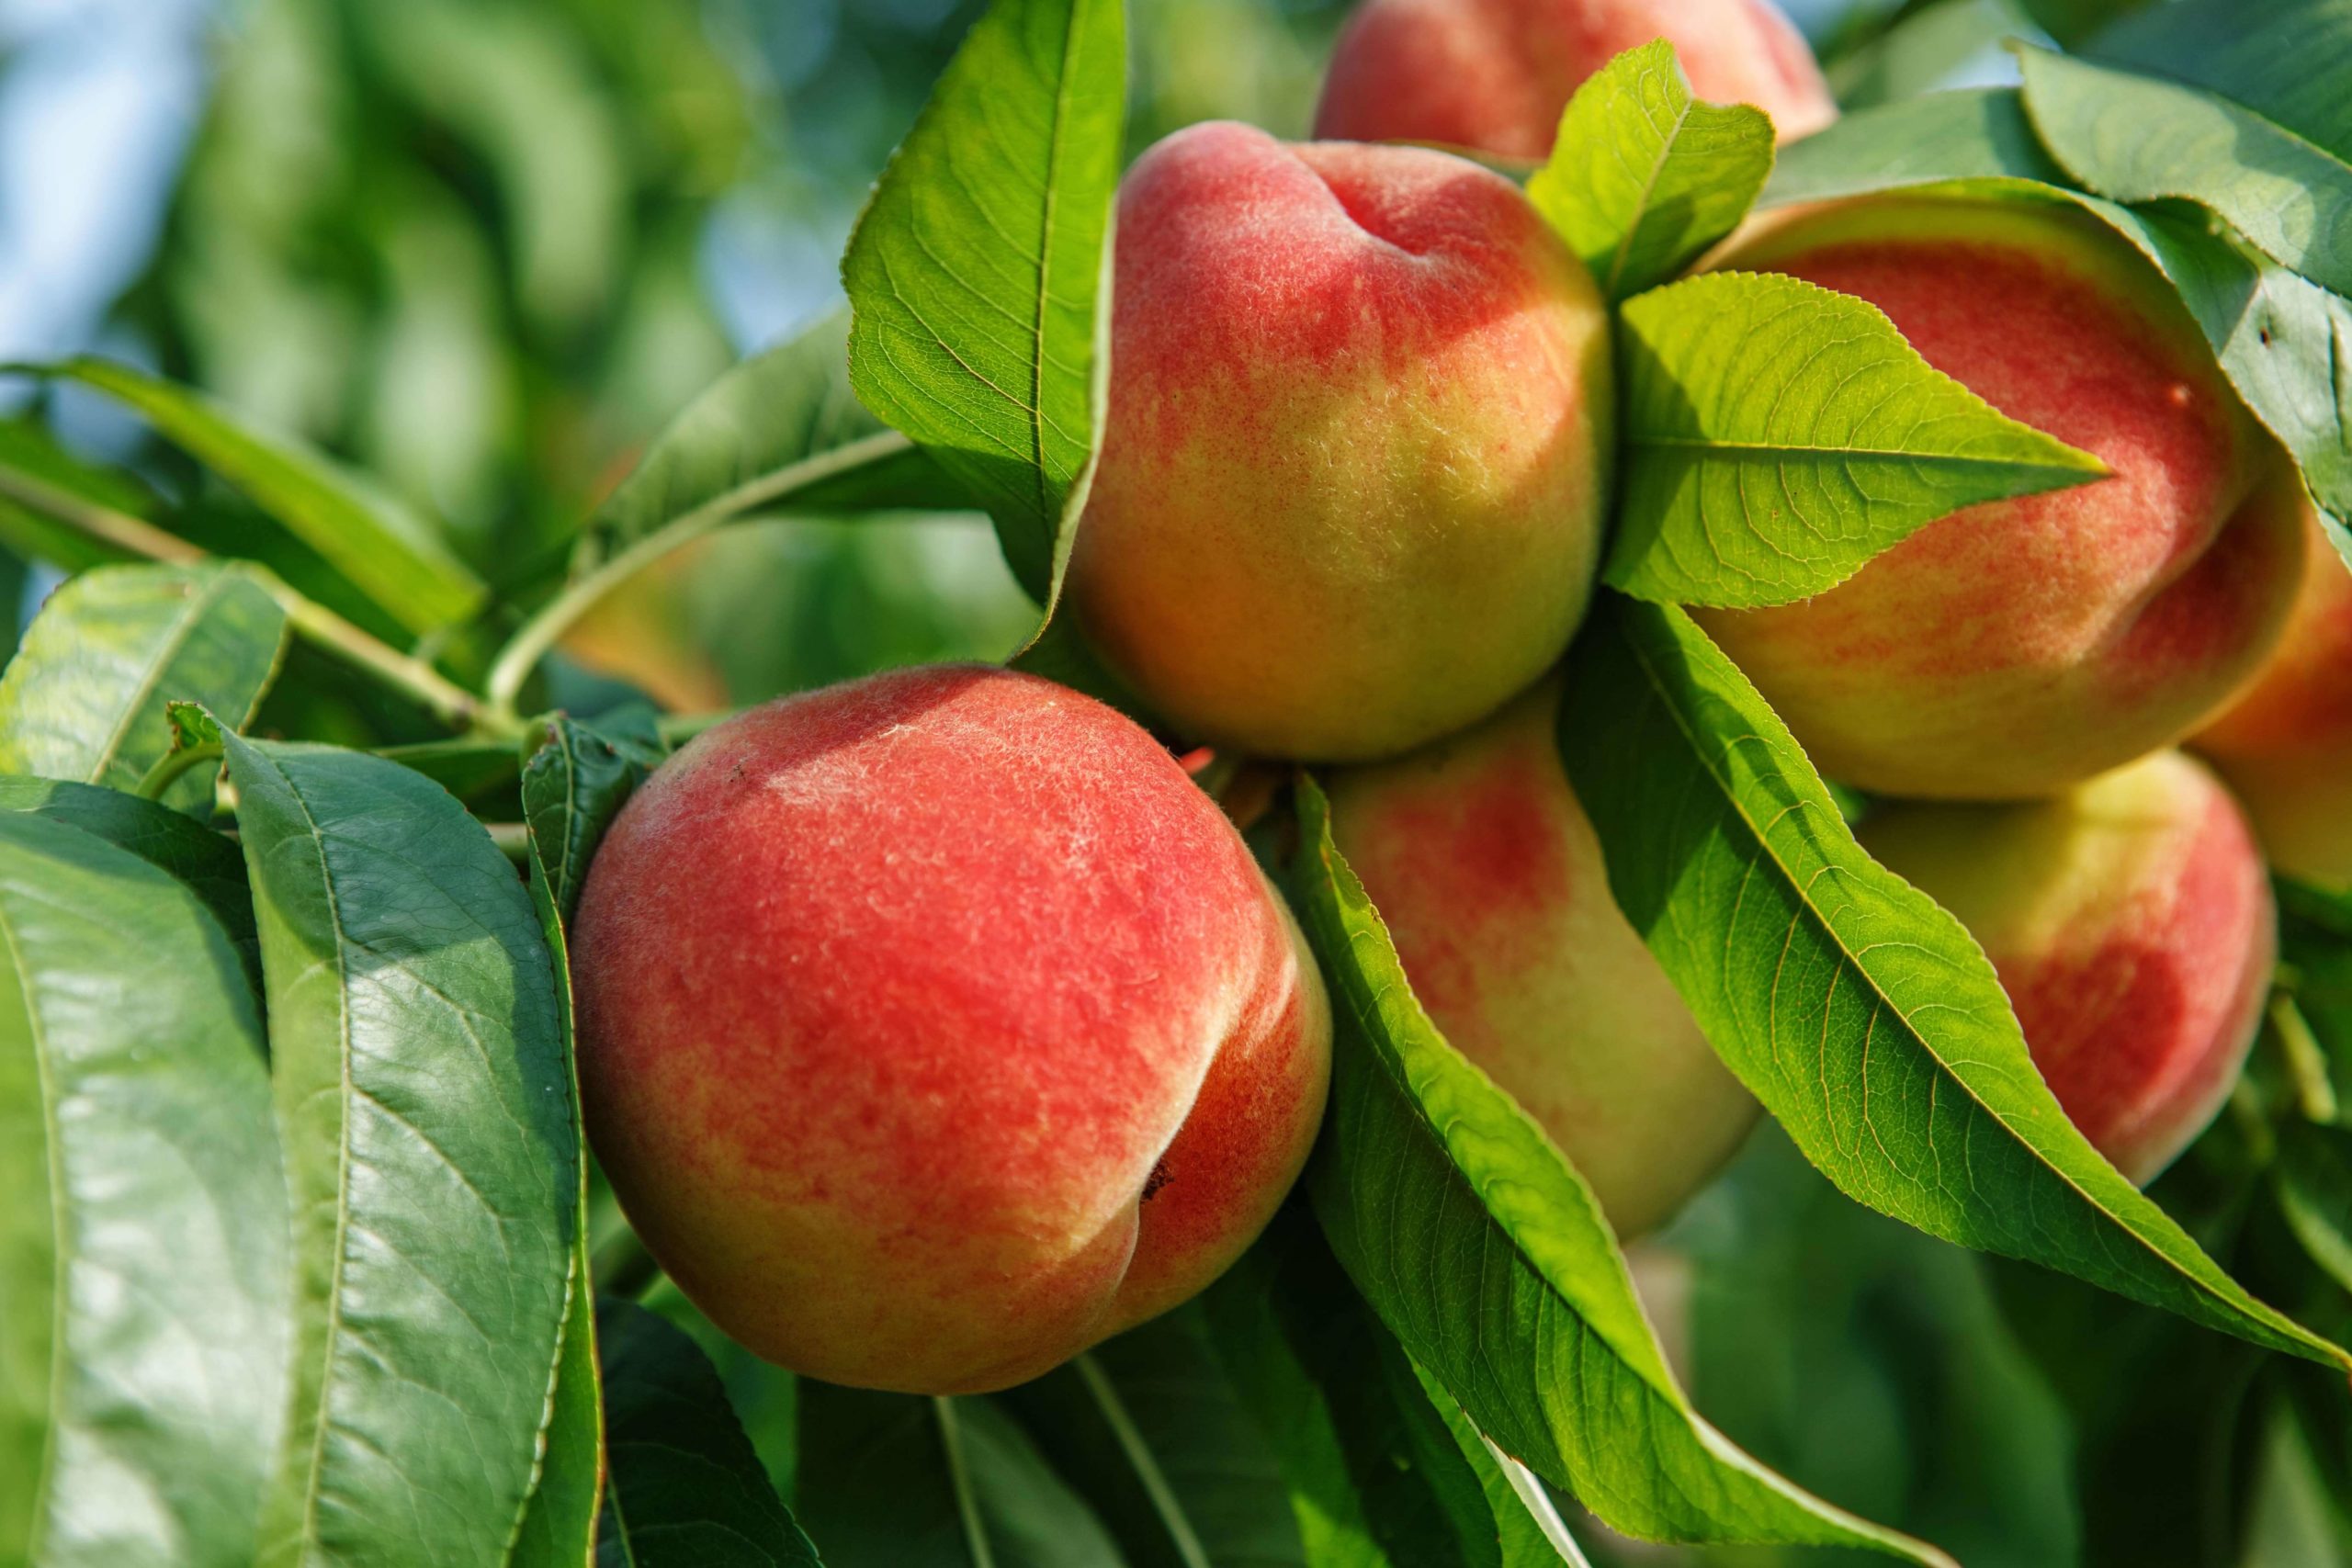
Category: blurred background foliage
<point>481,249</point>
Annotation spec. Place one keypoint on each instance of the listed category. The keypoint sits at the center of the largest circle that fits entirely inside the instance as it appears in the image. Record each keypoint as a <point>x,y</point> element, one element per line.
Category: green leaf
<point>1940,138</point>
<point>422,1105</point>
<point>1643,179</point>
<point>2135,138</point>
<point>142,1245</point>
<point>2315,1182</point>
<point>570,788</point>
<point>687,1490</point>
<point>385,551</point>
<point>781,432</point>
<point>1862,1015</point>
<point>1487,1257</point>
<point>573,787</point>
<point>2287,60</point>
<point>29,451</point>
<point>900,1481</point>
<point>207,864</point>
<point>1383,1469</point>
<point>84,696</point>
<point>1779,434</point>
<point>978,272</point>
<point>2284,342</point>
<point>1149,1431</point>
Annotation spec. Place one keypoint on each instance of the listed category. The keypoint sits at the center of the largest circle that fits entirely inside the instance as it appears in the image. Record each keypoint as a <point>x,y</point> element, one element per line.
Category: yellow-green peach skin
<point>2018,647</point>
<point>1353,476</point>
<point>2131,922</point>
<point>1483,863</point>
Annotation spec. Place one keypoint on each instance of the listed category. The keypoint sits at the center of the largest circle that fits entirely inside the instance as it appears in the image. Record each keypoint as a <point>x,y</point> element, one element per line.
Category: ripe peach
<point>2131,924</point>
<point>934,1026</point>
<point>2285,745</point>
<point>1351,489</point>
<point>1486,868</point>
<point>2015,647</point>
<point>1494,75</point>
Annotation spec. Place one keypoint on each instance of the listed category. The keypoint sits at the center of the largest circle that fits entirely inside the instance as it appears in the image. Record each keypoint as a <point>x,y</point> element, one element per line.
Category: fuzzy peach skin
<point>1483,863</point>
<point>1351,484</point>
<point>934,1026</point>
<point>2131,924</point>
<point>2285,745</point>
<point>2018,647</point>
<point>1494,75</point>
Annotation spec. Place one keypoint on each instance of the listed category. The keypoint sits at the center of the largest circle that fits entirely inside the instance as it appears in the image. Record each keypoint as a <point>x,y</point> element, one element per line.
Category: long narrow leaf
<point>421,1104</point>
<point>977,271</point>
<point>1861,1013</point>
<point>142,1242</point>
<point>1487,1257</point>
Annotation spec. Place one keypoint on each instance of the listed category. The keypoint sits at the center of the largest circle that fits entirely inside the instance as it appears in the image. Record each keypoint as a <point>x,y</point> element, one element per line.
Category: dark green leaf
<point>142,1245</point>
<point>84,696</point>
<point>780,432</point>
<point>2135,138</point>
<point>979,270</point>
<point>687,1490</point>
<point>205,863</point>
<point>1379,1473</point>
<point>572,785</point>
<point>1151,1432</point>
<point>900,1481</point>
<point>1643,179</point>
<point>2287,60</point>
<point>1779,434</point>
<point>423,1107</point>
<point>2314,1180</point>
<point>1861,1014</point>
<point>391,555</point>
<point>1487,1257</point>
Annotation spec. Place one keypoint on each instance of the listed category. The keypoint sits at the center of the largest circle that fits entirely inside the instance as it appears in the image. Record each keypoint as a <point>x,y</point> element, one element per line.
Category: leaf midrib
<point>2290,1331</point>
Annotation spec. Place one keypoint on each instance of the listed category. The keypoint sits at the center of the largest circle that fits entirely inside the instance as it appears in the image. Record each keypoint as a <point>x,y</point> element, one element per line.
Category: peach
<point>1351,484</point>
<point>1483,865</point>
<point>2131,924</point>
<point>2285,745</point>
<point>934,1026</point>
<point>2015,647</point>
<point>1494,75</point>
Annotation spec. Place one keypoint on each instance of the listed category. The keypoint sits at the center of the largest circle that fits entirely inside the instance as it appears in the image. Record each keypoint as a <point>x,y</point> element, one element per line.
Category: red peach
<point>1350,489</point>
<point>933,1027</point>
<point>2014,647</point>
<point>2131,924</point>
<point>2285,745</point>
<point>1494,75</point>
<point>1483,863</point>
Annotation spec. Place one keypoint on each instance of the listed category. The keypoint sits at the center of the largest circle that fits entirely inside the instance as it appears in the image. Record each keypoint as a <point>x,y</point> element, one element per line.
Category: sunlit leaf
<point>84,696</point>
<point>977,271</point>
<point>1778,436</point>
<point>1643,178</point>
<point>1487,1257</point>
<point>1862,1015</point>
<point>142,1243</point>
<point>385,551</point>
